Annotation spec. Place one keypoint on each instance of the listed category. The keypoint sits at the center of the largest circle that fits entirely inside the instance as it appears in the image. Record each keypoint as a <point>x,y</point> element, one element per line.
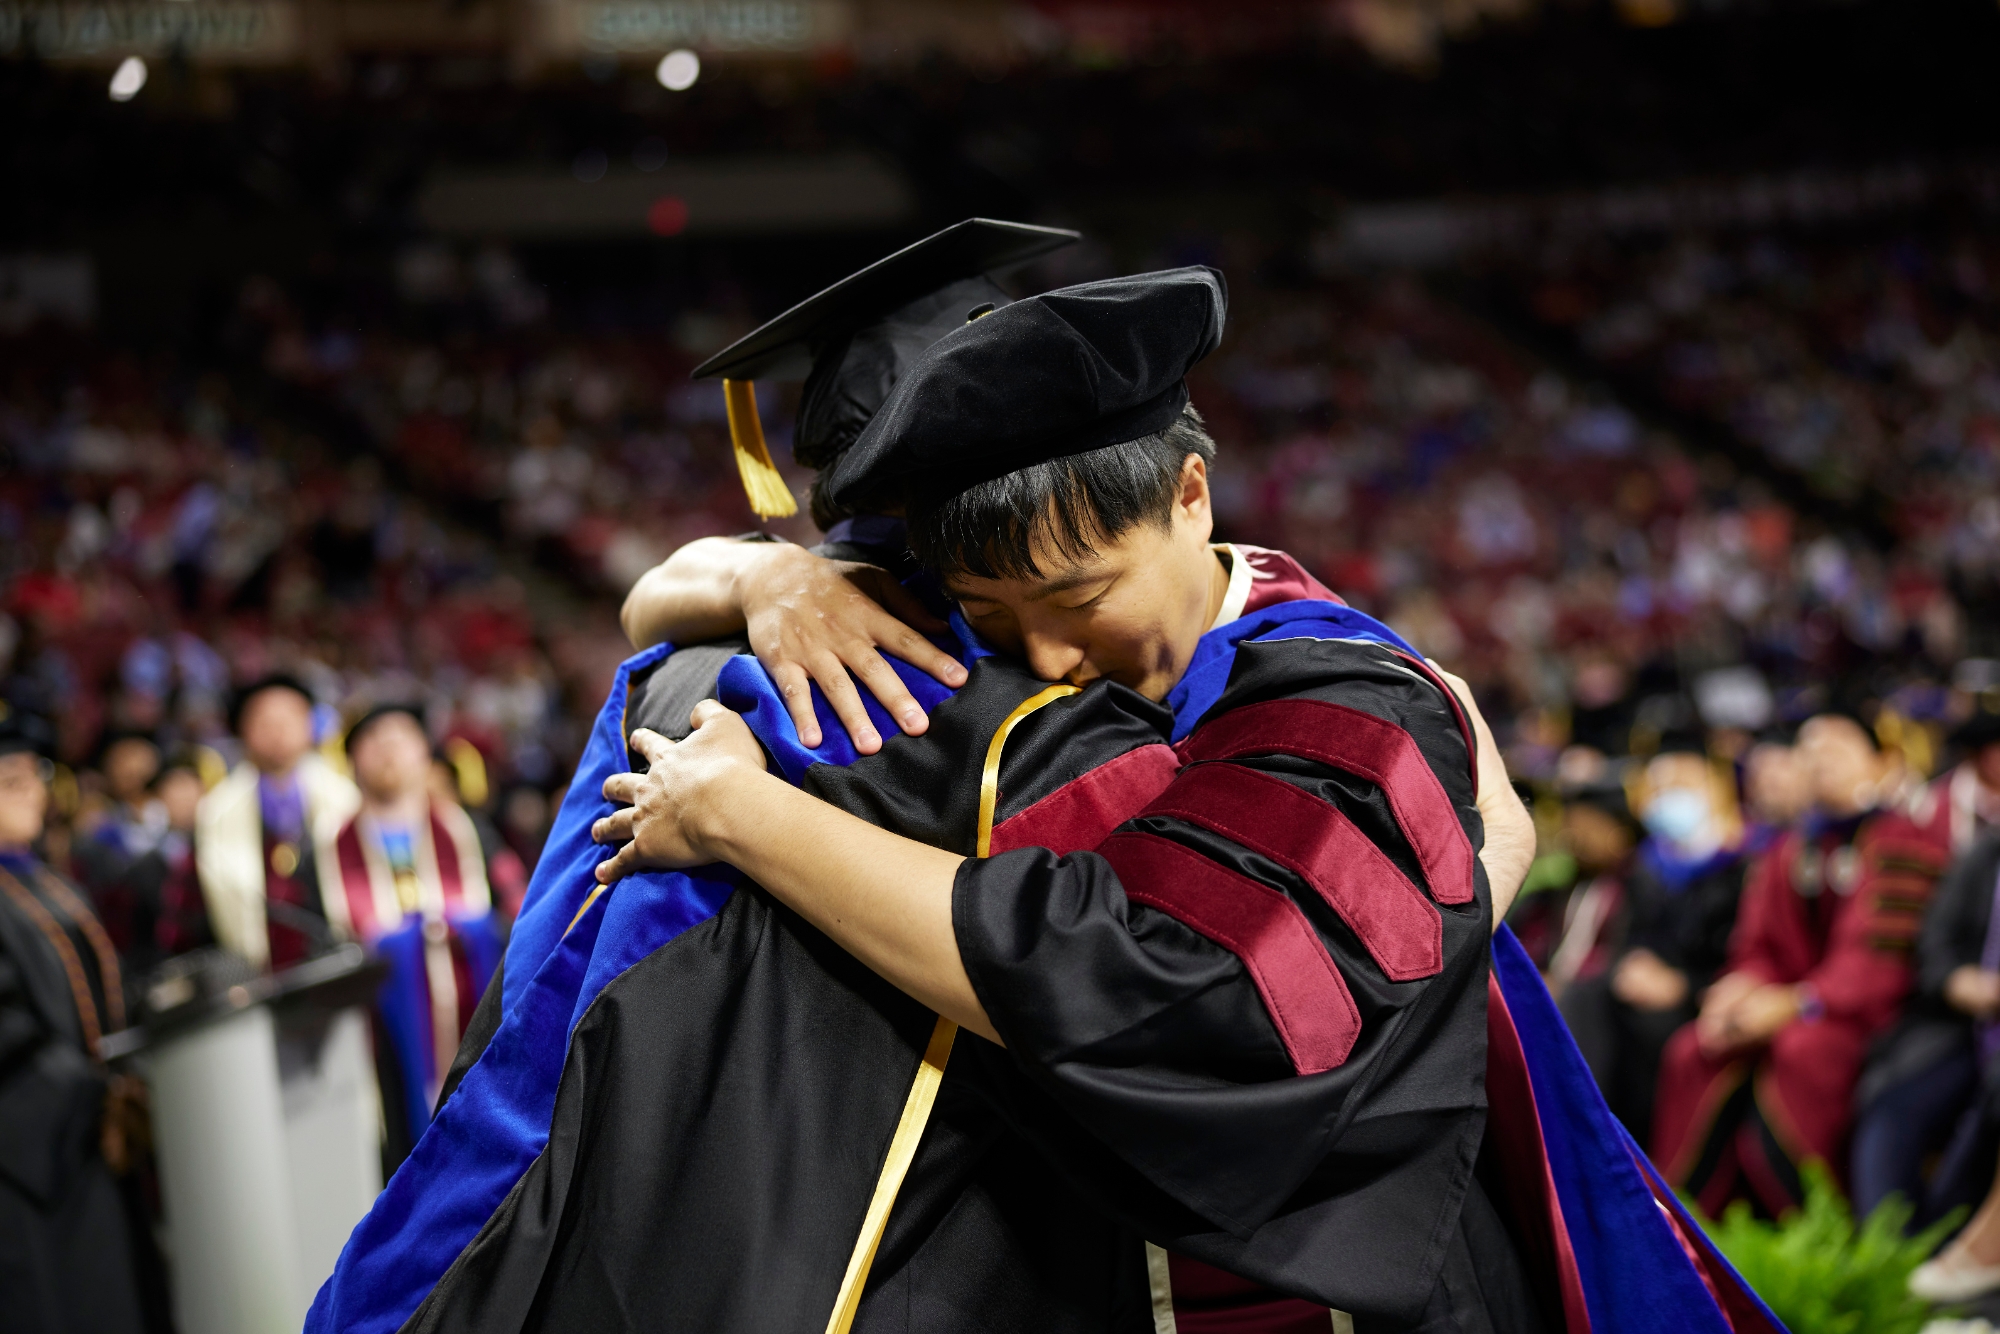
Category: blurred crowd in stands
<point>1736,697</point>
<point>169,537</point>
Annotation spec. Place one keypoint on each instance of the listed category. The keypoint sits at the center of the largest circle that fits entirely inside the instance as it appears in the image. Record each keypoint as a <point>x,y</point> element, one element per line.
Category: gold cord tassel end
<point>762,482</point>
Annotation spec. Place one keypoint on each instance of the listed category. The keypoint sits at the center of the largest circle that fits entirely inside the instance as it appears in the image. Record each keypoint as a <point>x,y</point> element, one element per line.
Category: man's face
<point>1778,786</point>
<point>1598,840</point>
<point>179,791</point>
<point>277,729</point>
<point>392,759</point>
<point>24,799</point>
<point>1845,768</point>
<point>129,768</point>
<point>1132,612</point>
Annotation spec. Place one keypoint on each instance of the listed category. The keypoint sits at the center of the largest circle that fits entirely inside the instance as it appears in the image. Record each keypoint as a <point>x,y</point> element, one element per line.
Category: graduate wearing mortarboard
<point>1212,910</point>
<point>849,342</point>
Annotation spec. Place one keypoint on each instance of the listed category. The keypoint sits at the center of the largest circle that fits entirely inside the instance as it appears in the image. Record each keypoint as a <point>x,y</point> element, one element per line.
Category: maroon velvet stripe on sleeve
<point>1397,924</point>
<point>1082,814</point>
<point>1303,991</point>
<point>1361,744</point>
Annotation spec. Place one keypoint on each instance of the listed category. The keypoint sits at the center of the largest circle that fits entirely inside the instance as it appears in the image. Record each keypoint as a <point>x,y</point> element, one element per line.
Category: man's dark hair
<point>988,531</point>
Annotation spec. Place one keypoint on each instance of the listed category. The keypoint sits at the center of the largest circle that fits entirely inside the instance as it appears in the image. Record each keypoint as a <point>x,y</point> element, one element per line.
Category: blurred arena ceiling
<point>732,197</point>
<point>535,35</point>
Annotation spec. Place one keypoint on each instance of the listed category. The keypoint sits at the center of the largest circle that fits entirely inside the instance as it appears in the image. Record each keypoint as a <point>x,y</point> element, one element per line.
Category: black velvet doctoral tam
<point>1048,377</point>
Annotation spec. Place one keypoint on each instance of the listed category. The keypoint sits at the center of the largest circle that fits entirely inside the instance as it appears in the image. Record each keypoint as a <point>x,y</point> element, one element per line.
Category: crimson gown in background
<point>1834,907</point>
<point>418,898</point>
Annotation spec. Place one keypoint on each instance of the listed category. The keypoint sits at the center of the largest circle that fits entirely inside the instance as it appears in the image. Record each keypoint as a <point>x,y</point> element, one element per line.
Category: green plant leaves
<point>1821,1274</point>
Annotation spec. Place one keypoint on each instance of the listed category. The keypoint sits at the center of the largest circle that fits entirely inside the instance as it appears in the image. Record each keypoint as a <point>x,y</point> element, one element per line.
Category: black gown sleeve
<point>1261,987</point>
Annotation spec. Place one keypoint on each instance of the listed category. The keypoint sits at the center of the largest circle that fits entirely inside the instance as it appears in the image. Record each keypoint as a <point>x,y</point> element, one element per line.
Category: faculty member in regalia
<point>690,1108</point>
<point>406,876</point>
<point>65,1252</point>
<point>1231,1048</point>
<point>253,830</point>
<point>1763,1080</point>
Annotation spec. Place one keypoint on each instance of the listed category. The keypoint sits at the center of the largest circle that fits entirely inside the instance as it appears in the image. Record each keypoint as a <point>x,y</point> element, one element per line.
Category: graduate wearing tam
<point>850,343</point>
<point>1212,914</point>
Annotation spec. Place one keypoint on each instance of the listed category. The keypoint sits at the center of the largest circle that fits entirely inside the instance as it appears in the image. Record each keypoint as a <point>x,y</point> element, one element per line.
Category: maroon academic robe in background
<point>1829,908</point>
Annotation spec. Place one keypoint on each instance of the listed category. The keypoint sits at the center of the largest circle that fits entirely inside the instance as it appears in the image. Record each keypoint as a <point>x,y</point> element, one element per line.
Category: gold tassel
<point>470,767</point>
<point>762,482</point>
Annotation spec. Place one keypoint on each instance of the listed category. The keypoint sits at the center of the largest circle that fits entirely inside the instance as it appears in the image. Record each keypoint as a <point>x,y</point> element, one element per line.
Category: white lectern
<point>267,1128</point>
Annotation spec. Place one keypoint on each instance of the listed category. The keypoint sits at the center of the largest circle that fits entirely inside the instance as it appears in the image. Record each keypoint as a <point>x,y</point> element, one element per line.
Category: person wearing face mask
<point>1681,894</point>
<point>1763,1079</point>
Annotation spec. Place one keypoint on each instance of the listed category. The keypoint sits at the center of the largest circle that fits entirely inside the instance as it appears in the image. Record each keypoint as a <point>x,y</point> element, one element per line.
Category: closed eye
<point>1090,601</point>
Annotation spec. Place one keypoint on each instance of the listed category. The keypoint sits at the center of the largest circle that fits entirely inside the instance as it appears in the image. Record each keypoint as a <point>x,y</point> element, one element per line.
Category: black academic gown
<point>701,1173</point>
<point>65,1256</point>
<point>1687,925</point>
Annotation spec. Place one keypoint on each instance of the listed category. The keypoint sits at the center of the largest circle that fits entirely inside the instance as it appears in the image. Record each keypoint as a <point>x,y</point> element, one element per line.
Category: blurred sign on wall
<point>778,27</point>
<point>737,197</point>
<point>246,32</point>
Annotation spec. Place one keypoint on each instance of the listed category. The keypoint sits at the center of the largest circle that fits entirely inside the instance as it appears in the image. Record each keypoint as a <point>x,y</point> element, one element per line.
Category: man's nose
<point>1053,659</point>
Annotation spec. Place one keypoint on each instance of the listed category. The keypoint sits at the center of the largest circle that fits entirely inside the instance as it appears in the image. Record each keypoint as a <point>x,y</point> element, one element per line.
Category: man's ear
<point>1194,484</point>
<point>1193,504</point>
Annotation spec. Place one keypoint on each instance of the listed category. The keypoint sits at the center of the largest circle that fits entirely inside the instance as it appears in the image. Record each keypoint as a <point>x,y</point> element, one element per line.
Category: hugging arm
<point>810,620</point>
<point>1509,848</point>
<point>883,898</point>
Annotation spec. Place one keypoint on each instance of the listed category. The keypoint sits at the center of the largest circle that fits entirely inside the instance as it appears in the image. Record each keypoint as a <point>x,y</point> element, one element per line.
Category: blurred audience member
<point>458,776</point>
<point>1763,1080</point>
<point>1924,1097</point>
<point>1680,898</point>
<point>253,845</point>
<point>1600,834</point>
<point>66,1258</point>
<point>1950,813</point>
<point>1928,1127</point>
<point>129,825</point>
<point>406,875</point>
<point>1777,792</point>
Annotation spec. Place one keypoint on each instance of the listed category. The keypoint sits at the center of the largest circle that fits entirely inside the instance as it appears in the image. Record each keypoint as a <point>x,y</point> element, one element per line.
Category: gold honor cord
<point>584,909</point>
<point>762,482</point>
<point>989,776</point>
<point>930,1074</point>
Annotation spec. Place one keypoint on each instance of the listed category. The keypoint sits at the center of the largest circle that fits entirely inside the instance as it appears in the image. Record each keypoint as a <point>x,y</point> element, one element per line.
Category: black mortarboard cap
<point>25,731</point>
<point>269,681</point>
<point>1978,732</point>
<point>378,712</point>
<point>852,341</point>
<point>1050,376</point>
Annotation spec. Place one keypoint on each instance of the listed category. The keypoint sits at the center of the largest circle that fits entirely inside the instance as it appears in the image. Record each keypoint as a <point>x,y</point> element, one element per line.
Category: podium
<point>267,1127</point>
